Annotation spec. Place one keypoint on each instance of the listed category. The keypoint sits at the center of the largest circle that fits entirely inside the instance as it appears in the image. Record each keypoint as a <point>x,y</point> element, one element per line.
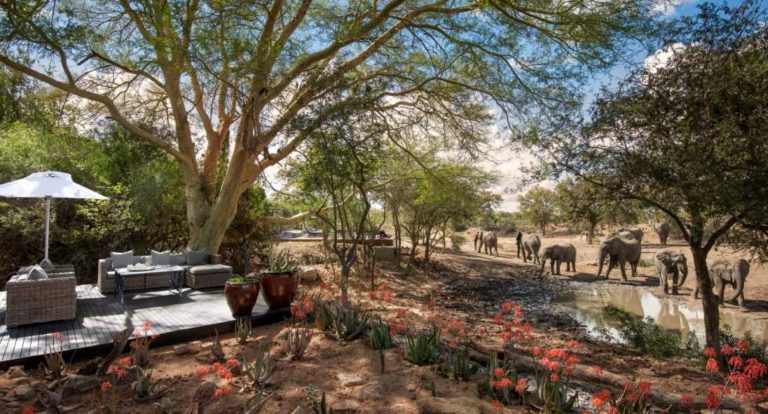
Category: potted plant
<point>241,293</point>
<point>279,280</point>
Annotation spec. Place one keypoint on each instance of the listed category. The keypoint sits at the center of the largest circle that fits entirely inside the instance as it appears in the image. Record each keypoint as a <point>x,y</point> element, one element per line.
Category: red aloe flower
<point>712,365</point>
<point>521,386</point>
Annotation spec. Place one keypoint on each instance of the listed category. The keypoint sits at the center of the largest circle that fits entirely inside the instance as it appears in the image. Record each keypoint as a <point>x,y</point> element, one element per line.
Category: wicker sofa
<point>211,274</point>
<point>36,301</point>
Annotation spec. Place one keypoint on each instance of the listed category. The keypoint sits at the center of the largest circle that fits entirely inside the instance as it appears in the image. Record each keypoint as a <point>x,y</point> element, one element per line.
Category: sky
<point>507,161</point>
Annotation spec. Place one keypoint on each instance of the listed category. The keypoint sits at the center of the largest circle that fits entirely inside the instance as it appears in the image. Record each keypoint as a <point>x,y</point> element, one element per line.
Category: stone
<point>79,383</point>
<point>24,392</point>
<point>16,371</point>
<point>461,405</point>
<point>195,347</point>
<point>349,380</point>
<point>180,349</point>
<point>346,407</point>
<point>384,253</point>
<point>206,347</point>
<point>308,273</point>
<point>371,392</point>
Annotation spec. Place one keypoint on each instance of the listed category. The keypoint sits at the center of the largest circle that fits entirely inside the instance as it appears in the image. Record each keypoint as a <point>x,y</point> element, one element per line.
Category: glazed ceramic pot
<point>279,289</point>
<point>241,297</point>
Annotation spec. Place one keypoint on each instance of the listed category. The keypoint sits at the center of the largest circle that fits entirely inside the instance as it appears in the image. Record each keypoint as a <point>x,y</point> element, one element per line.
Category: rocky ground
<point>463,286</point>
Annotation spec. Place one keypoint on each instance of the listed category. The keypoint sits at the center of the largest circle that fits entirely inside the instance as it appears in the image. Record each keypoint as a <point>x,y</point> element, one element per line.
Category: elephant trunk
<point>683,269</point>
<point>601,260</point>
<point>739,286</point>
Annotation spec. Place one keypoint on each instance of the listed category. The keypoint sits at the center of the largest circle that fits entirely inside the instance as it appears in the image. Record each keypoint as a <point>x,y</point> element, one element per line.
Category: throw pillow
<point>37,273</point>
<point>197,257</point>
<point>121,259</point>
<point>160,258</point>
<point>46,264</point>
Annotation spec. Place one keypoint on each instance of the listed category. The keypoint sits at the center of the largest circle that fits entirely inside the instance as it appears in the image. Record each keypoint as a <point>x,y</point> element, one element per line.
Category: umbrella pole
<point>47,223</point>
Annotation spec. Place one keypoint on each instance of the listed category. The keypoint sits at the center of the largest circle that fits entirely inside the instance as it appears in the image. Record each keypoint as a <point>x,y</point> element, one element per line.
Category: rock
<point>180,349</point>
<point>206,347</point>
<point>16,371</point>
<point>371,392</point>
<point>349,380</point>
<point>346,407</point>
<point>24,392</point>
<point>194,347</point>
<point>78,383</point>
<point>308,273</point>
<point>13,383</point>
<point>460,405</point>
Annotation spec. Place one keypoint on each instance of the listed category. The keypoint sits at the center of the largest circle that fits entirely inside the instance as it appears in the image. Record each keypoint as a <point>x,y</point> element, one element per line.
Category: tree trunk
<point>208,221</point>
<point>427,248</point>
<point>709,301</point>
<point>592,226</point>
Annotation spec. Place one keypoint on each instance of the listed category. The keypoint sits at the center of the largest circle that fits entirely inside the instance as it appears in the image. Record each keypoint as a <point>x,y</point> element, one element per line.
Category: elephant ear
<point>665,258</point>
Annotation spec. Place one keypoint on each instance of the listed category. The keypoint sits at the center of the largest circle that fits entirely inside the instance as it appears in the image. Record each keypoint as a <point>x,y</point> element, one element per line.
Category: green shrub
<point>422,347</point>
<point>647,336</point>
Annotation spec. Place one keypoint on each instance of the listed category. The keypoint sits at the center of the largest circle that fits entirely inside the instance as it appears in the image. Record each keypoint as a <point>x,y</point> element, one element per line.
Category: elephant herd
<point>620,248</point>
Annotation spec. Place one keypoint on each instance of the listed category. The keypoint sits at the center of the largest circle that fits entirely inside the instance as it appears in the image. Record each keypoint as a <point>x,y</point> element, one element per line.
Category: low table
<point>176,277</point>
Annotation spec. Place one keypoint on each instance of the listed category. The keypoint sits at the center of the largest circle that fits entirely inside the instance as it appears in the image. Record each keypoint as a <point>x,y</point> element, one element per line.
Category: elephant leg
<point>610,266</point>
<point>720,291</point>
<point>567,265</point>
<point>695,293</point>
<point>573,266</point>
<point>663,280</point>
<point>551,266</point>
<point>622,264</point>
<point>558,266</point>
<point>674,281</point>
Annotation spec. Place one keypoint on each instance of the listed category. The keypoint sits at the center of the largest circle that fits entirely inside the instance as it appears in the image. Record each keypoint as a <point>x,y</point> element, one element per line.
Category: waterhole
<point>585,304</point>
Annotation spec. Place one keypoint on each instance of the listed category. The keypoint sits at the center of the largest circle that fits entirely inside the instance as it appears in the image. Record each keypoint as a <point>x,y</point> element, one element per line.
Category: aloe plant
<point>280,262</point>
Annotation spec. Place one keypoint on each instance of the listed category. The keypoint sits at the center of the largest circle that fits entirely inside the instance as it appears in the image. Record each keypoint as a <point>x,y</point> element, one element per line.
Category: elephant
<point>586,235</point>
<point>559,253</point>
<point>723,272</point>
<point>674,263</point>
<point>489,240</point>
<point>635,233</point>
<point>620,251</point>
<point>662,229</point>
<point>478,239</point>
<point>530,245</point>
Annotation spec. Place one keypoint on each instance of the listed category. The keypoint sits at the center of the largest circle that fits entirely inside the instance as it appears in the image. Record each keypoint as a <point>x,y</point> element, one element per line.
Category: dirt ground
<point>466,286</point>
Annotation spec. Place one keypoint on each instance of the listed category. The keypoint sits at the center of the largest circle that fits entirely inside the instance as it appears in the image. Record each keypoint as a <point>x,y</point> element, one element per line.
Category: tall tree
<point>688,137</point>
<point>538,208</point>
<point>581,202</point>
<point>265,74</point>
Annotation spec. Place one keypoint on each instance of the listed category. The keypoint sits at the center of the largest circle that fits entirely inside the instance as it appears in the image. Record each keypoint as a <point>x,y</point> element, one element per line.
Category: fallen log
<point>584,374</point>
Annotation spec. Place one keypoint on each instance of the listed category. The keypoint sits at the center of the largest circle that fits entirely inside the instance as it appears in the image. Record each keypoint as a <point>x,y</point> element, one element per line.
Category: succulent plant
<point>280,262</point>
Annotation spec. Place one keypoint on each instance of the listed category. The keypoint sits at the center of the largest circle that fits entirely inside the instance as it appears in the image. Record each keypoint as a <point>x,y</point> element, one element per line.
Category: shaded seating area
<point>201,270</point>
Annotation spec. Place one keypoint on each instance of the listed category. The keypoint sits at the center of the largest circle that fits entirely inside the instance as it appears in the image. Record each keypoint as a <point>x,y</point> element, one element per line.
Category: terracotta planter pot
<point>279,289</point>
<point>241,297</point>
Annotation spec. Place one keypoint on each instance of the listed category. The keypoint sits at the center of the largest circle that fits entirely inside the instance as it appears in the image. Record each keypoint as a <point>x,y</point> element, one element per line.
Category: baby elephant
<point>557,253</point>
<point>724,272</point>
<point>671,263</point>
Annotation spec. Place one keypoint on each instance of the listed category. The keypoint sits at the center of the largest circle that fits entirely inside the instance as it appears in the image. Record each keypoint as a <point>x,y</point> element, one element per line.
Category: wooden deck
<point>194,315</point>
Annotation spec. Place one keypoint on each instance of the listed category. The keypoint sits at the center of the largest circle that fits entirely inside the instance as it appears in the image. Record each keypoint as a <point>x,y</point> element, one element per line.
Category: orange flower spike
<point>712,365</point>
<point>106,385</point>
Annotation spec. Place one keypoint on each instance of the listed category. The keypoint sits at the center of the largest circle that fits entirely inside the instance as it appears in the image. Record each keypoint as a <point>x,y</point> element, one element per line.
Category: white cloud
<point>508,163</point>
<point>661,57</point>
<point>667,7</point>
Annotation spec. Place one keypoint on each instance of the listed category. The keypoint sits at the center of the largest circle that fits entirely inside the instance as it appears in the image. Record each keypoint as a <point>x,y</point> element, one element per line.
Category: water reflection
<point>585,305</point>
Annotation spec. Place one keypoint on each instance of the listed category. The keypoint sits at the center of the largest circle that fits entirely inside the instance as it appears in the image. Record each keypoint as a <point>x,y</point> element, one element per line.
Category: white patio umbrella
<point>47,185</point>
